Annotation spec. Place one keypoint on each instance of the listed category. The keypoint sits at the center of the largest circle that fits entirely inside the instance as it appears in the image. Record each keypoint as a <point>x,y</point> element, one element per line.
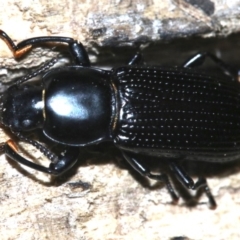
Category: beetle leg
<point>9,148</point>
<point>181,175</point>
<point>76,49</point>
<point>59,165</point>
<point>17,52</point>
<point>199,58</point>
<point>202,184</point>
<point>136,59</point>
<point>144,171</point>
<point>65,161</point>
<point>186,181</point>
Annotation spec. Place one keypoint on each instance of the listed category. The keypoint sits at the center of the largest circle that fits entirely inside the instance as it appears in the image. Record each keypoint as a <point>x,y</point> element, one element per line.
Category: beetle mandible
<point>171,113</point>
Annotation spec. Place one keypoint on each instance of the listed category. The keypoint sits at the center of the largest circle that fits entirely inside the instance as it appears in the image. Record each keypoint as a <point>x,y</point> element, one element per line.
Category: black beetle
<point>169,113</point>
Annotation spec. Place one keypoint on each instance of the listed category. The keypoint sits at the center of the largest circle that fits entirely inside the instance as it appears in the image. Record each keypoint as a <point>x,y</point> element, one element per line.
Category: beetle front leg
<point>76,49</point>
<point>144,171</point>
<point>65,161</point>
<point>59,164</point>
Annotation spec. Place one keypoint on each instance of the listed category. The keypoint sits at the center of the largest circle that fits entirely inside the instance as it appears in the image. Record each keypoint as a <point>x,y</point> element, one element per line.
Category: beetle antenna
<point>25,78</point>
<point>39,71</point>
<point>50,155</point>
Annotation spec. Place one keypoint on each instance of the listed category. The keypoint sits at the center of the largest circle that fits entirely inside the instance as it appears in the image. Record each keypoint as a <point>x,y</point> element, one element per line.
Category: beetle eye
<point>26,122</point>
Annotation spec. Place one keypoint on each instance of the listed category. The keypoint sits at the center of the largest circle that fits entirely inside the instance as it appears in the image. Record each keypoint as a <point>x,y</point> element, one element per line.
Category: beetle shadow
<point>194,169</point>
<point>105,153</point>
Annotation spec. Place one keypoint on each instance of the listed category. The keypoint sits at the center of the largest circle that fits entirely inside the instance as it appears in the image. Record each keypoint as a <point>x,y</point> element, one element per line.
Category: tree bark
<point>98,199</point>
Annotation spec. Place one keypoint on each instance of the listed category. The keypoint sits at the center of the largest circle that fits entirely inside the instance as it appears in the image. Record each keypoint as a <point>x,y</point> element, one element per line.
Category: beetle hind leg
<point>145,171</point>
<point>178,172</point>
<point>187,181</point>
<point>202,184</point>
<point>199,58</point>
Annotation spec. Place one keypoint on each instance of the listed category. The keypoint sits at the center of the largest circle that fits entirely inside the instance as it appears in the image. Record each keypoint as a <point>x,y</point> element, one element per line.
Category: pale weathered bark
<point>109,203</point>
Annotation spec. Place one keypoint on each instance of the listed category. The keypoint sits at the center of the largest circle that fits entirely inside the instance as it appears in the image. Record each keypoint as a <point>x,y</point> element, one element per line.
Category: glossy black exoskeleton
<point>167,113</point>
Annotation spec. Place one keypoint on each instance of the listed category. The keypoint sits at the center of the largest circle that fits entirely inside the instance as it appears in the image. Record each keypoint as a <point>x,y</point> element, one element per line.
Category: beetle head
<point>21,108</point>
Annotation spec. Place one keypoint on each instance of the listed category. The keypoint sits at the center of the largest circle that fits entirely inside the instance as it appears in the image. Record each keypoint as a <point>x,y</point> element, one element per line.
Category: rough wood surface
<point>115,23</point>
<point>108,202</point>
